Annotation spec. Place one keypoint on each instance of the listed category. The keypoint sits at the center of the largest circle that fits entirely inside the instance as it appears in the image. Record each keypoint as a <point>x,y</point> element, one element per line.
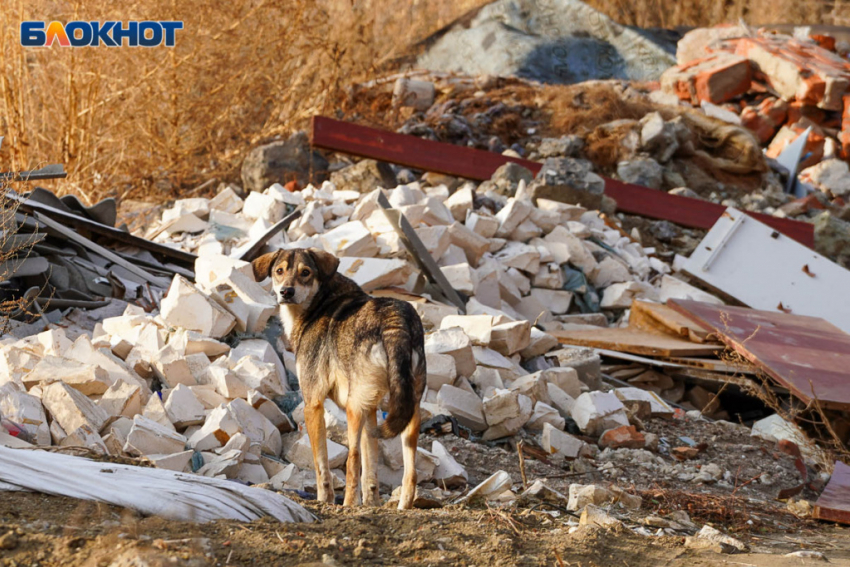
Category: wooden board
<point>808,355</point>
<point>655,317</point>
<point>634,341</point>
<point>470,163</point>
<point>834,502</point>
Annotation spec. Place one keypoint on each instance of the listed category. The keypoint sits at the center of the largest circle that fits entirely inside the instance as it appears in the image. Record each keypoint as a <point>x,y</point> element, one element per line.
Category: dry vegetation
<point>149,123</point>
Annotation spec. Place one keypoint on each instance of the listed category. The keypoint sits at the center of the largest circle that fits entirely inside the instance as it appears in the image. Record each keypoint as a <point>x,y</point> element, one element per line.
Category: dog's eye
<point>279,271</point>
<point>305,273</point>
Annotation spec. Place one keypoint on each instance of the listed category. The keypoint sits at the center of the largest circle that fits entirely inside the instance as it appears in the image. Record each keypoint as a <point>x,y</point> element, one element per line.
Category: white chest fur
<point>288,315</point>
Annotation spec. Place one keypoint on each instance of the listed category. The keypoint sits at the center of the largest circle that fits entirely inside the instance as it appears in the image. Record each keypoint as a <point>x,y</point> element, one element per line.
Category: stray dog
<point>355,349</point>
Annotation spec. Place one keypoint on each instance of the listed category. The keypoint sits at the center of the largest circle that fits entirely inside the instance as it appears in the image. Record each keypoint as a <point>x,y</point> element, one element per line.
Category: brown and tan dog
<point>354,349</point>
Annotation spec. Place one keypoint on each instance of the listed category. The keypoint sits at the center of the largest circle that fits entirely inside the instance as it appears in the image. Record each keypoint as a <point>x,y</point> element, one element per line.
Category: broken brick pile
<point>777,86</point>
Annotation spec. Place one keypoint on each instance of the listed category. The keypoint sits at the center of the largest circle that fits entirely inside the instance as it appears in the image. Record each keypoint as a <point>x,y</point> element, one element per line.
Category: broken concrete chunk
<point>539,343</point>
<point>71,409</point>
<point>25,410</point>
<point>481,224</point>
<point>441,370</point>
<point>511,216</point>
<point>510,338</point>
<point>261,376</point>
<point>448,473</point>
<point>585,361</point>
<point>477,327</point>
<point>172,368</point>
<point>513,424</point>
<point>245,300</point>
<point>186,306</point>
<point>122,399</point>
<point>466,407</point>
<point>183,407</point>
<point>256,426</point>
<point>85,436</point>
<point>271,411</point>
<point>594,412</point>
<point>375,273</point>
<point>557,442</point>
<point>461,277</point>
<point>350,239</point>
<point>301,455</point>
<point>456,344</point>
<point>501,405</point>
<point>148,437</point>
<point>173,462</point>
<point>544,414</point>
<point>212,268</point>
<point>88,379</point>
<point>658,407</point>
<point>155,411</point>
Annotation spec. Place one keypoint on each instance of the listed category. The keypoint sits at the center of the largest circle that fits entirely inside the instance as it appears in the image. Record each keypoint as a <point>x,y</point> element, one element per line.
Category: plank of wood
<point>470,163</point>
<point>834,502</point>
<point>655,317</point>
<point>419,253</point>
<point>634,341</point>
<point>98,249</point>
<point>807,355</point>
<point>160,492</point>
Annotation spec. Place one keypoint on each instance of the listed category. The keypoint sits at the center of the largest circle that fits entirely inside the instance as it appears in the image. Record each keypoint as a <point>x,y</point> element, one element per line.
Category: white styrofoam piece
<point>764,269</point>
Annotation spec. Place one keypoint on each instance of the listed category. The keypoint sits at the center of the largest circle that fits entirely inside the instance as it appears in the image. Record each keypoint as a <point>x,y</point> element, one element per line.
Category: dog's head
<point>297,274</point>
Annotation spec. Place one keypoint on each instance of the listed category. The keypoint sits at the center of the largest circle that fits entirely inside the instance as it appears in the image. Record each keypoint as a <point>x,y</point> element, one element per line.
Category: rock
<point>610,271</point>
<point>172,368</point>
<point>281,162</point>
<point>509,338</point>
<point>227,201</point>
<point>594,412</point>
<point>415,94</point>
<point>539,343</point>
<point>461,277</point>
<point>830,176</point>
<point>262,206</point>
<point>187,307</point>
<point>147,437</point>
<point>506,178</point>
<point>71,409</point>
<point>261,376</point>
<point>511,215</point>
<point>365,176</point>
<point>557,442</point>
<point>255,426</point>
<point>565,146</point>
<point>774,429</point>
<point>625,436</point>
<point>568,180</point>
<point>532,385</point>
<point>173,462</point>
<point>557,301</point>
<point>246,300</point>
<point>621,295</point>
<point>464,406</point>
<point>641,171</point>
<point>441,370</point>
<point>473,244</point>
<point>540,491</point>
<point>657,137</point>
<point>832,238</point>
<point>481,224</point>
<point>593,516</point>
<point>460,204</point>
<point>500,406</point>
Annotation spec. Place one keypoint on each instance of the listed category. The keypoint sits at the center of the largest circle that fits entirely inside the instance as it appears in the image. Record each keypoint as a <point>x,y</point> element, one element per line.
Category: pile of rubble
<point>779,87</point>
<point>198,387</point>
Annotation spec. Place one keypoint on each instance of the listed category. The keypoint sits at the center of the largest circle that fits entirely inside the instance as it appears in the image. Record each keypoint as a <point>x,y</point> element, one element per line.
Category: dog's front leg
<point>314,416</point>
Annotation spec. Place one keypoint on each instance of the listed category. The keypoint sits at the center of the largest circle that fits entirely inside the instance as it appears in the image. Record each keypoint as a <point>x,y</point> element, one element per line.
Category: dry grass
<point>670,14</point>
<point>150,123</point>
<point>146,123</point>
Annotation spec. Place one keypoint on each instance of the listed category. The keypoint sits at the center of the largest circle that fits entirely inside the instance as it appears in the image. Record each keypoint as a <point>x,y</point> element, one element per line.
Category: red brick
<point>624,436</point>
<point>825,41</point>
<point>717,79</point>
<point>762,126</point>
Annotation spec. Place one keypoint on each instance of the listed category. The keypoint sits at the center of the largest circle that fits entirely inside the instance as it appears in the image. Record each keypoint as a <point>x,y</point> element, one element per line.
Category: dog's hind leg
<point>314,417</point>
<point>409,440</point>
<point>352,466</point>
<point>369,460</point>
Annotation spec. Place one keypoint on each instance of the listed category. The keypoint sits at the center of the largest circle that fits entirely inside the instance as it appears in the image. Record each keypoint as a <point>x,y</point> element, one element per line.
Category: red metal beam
<point>470,163</point>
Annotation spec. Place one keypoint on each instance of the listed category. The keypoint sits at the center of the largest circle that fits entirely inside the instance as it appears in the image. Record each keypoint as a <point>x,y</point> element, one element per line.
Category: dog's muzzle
<point>287,294</point>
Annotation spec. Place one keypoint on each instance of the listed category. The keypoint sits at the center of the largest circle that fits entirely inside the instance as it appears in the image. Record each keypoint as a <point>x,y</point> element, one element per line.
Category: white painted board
<point>765,269</point>
<point>160,492</point>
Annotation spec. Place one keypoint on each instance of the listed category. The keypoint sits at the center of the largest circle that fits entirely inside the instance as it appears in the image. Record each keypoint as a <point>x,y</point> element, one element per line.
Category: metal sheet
<point>761,268</point>
<point>808,355</point>
<point>834,501</point>
<point>470,163</point>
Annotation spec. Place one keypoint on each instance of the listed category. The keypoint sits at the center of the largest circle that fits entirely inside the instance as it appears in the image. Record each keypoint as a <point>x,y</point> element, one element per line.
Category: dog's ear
<point>263,265</point>
<point>325,263</point>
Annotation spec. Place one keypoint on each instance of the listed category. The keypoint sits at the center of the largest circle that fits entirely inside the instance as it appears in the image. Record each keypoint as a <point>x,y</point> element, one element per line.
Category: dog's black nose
<point>287,292</point>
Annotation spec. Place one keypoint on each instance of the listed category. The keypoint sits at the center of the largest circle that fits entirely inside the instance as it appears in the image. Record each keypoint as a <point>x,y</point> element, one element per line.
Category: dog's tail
<point>406,373</point>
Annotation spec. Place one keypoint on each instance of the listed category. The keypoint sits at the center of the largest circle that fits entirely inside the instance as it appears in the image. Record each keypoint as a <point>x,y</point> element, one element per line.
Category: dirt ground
<point>48,531</point>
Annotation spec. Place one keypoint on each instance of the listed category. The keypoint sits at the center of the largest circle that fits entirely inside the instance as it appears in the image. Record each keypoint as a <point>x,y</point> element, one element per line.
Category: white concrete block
<point>448,473</point>
<point>226,200</point>
<point>511,215</point>
<point>350,239</point>
<point>261,376</point>
<point>436,239</point>
<point>186,306</point>
<point>539,343</point>
<point>477,327</point>
<point>462,405</point>
<point>455,343</point>
<point>513,424</point>
<point>473,244</point>
<point>25,410</point>
<point>520,256</point>
<point>301,454</point>
<point>210,269</point>
<point>375,273</point>
<point>510,338</point>
<point>271,411</point>
<point>441,370</point>
<point>561,400</point>
<point>72,409</point>
<point>183,407</point>
<point>261,206</point>
<point>171,367</point>
<point>544,414</point>
<point>594,412</point>
<point>148,437</point>
<point>122,399</point>
<point>557,442</point>
<point>460,203</point>
<point>549,276</point>
<point>484,225</point>
<point>88,379</point>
